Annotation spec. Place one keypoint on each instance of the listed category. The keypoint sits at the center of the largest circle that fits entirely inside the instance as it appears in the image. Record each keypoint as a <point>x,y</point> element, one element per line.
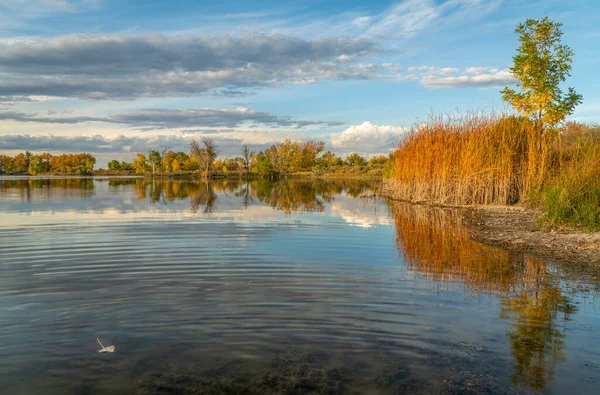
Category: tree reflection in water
<point>29,189</point>
<point>285,195</point>
<point>436,245</point>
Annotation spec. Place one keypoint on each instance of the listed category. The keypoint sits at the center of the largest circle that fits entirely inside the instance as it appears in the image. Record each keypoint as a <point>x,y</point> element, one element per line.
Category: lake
<point>289,286</point>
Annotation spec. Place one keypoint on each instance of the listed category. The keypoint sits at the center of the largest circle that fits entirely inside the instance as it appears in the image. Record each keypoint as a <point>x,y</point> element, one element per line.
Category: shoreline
<point>520,229</point>
<point>194,176</point>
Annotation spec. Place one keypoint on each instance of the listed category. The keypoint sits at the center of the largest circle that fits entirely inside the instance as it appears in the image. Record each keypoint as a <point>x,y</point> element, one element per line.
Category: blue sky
<point>116,77</point>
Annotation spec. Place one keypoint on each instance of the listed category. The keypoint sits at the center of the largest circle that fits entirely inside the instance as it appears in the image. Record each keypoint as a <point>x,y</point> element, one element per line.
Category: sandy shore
<point>519,229</point>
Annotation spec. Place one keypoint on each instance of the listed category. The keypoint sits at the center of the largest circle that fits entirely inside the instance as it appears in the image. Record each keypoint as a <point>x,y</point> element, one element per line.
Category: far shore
<point>215,175</point>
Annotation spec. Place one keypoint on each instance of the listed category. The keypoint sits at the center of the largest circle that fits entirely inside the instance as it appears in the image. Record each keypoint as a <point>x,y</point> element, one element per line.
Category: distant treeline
<point>281,158</point>
<point>285,157</point>
<point>28,163</point>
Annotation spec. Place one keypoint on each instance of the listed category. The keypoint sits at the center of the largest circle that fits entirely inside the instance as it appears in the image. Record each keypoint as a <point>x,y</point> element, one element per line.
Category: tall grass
<point>501,159</point>
<point>571,194</point>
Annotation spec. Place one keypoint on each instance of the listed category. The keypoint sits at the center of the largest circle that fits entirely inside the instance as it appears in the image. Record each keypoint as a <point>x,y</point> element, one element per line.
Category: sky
<point>117,77</point>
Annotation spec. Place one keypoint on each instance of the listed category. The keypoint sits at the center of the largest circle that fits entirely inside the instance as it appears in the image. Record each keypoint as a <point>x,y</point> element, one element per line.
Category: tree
<point>84,163</point>
<point>307,153</point>
<point>126,166</point>
<point>205,154</point>
<point>140,164</point>
<point>263,163</point>
<point>35,165</point>
<point>355,159</point>
<point>542,63</point>
<point>378,161</point>
<point>167,161</point>
<point>114,165</point>
<point>211,152</point>
<point>20,164</point>
<point>329,160</point>
<point>246,156</point>
<point>154,160</point>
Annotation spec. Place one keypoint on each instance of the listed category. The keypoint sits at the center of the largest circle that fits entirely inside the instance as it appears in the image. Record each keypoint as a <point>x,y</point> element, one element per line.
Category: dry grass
<point>469,160</point>
<point>501,160</point>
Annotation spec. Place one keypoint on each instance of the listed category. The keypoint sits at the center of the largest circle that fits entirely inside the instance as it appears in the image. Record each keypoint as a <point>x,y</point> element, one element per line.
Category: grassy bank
<point>502,160</point>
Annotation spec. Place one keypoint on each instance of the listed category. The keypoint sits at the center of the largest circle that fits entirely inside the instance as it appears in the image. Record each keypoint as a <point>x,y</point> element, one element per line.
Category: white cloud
<point>353,212</point>
<point>40,8</point>
<point>368,138</point>
<point>480,79</point>
<point>411,16</point>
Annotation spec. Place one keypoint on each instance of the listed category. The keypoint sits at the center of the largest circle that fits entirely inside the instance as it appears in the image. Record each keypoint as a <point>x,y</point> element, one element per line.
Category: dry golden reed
<point>471,159</point>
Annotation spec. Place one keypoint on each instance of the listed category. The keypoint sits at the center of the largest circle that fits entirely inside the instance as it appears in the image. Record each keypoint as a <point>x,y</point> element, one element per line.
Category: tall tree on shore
<point>246,156</point>
<point>140,164</point>
<point>205,154</point>
<point>154,159</point>
<point>541,64</point>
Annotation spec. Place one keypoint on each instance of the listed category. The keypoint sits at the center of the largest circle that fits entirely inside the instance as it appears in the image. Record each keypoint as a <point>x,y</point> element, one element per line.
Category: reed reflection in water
<point>436,245</point>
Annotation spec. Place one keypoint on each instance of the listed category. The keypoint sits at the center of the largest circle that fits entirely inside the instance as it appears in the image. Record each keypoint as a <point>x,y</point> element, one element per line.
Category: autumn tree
<point>205,154</point>
<point>542,63</point>
<point>355,159</point>
<point>378,161</point>
<point>307,154</point>
<point>154,160</point>
<point>35,165</point>
<point>140,164</point>
<point>329,160</point>
<point>19,164</point>
<point>167,161</point>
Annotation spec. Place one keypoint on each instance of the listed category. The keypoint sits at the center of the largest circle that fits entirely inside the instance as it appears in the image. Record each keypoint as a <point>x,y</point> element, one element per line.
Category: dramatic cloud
<point>152,119</point>
<point>125,67</point>
<point>367,138</point>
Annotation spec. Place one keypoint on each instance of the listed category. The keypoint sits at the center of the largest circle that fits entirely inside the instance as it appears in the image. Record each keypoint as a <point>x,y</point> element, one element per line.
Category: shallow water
<point>292,286</point>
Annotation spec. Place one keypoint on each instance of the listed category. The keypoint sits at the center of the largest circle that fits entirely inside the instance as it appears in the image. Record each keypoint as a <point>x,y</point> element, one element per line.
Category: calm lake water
<point>292,286</point>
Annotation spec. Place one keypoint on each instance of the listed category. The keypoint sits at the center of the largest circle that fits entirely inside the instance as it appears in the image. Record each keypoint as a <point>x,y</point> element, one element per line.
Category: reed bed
<point>501,159</point>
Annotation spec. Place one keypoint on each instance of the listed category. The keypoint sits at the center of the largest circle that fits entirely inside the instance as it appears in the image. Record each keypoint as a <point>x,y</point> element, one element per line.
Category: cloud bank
<point>126,67</point>
<point>153,119</point>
